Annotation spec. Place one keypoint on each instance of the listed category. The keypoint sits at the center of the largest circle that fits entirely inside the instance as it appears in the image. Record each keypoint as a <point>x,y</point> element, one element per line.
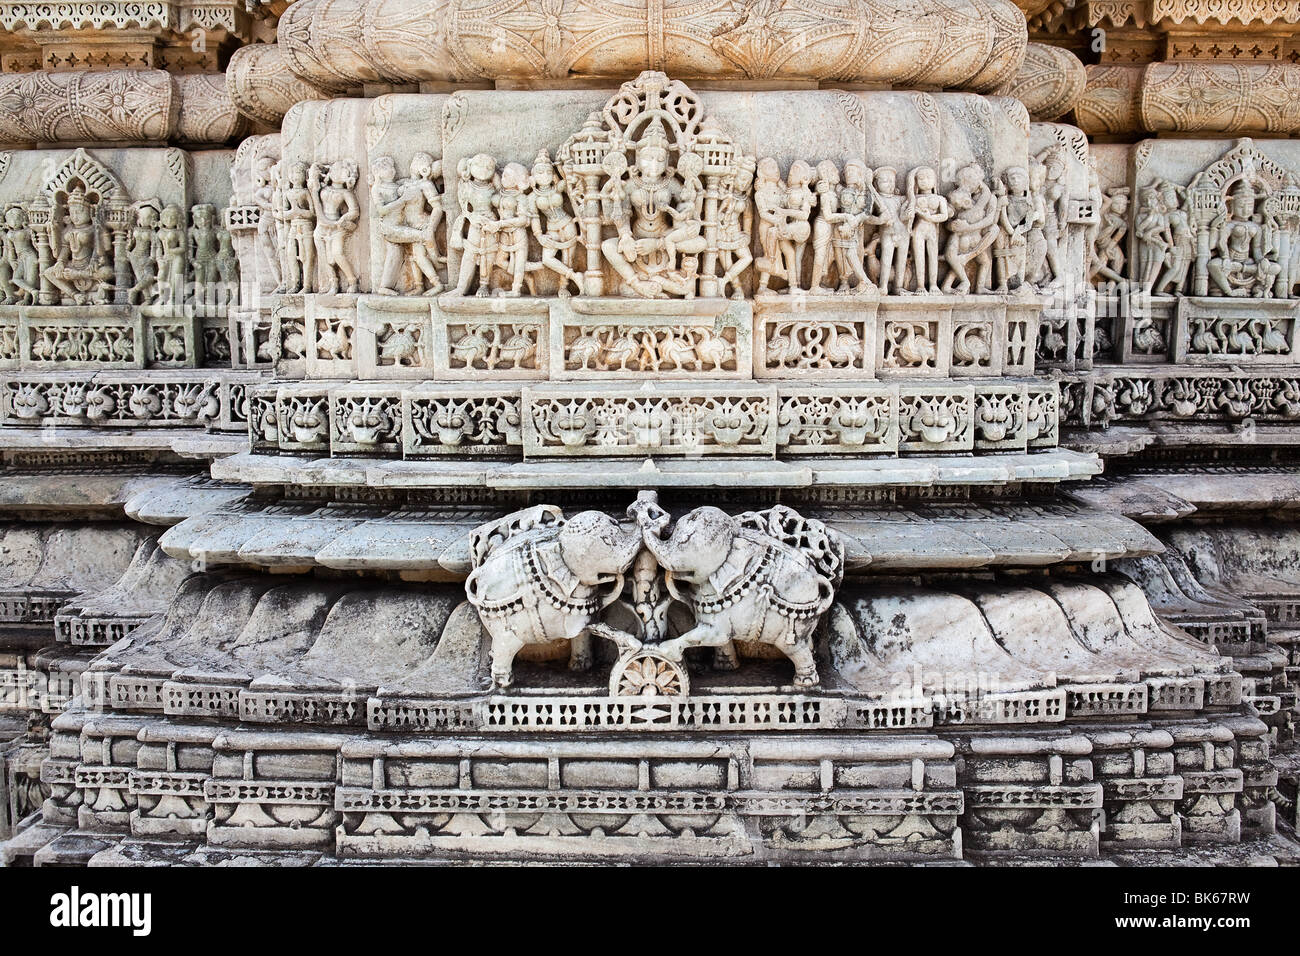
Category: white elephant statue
<point>539,576</point>
<point>766,576</point>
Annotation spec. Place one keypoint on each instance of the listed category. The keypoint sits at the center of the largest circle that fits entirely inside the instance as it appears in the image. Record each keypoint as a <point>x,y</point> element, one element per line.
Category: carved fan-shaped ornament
<point>646,673</point>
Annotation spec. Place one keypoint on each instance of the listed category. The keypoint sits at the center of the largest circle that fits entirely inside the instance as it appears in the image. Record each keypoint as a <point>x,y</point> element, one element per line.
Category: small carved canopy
<point>1210,190</point>
<point>99,183</point>
<point>650,109</point>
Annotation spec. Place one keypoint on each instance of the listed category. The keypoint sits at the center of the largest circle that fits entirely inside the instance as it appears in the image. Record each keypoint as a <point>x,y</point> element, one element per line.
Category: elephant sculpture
<point>538,576</point>
<point>766,576</point>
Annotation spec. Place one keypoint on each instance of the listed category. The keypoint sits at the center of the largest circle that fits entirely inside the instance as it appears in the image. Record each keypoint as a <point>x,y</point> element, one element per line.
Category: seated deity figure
<point>924,210</point>
<point>887,250</point>
<point>22,261</point>
<point>334,203</point>
<point>735,227</point>
<point>554,228</point>
<point>1241,265</point>
<point>1015,219</point>
<point>143,253</point>
<point>641,252</point>
<point>972,232</point>
<point>82,249</point>
<point>407,215</point>
<point>783,211</point>
<point>471,234</point>
<point>297,213</point>
<point>1182,240</point>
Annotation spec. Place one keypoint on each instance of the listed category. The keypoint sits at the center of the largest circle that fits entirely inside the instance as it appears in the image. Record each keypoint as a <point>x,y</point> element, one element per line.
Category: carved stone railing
<point>553,420</point>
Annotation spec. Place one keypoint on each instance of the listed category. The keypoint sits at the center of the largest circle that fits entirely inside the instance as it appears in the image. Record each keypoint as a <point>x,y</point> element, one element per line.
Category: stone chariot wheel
<point>647,673</point>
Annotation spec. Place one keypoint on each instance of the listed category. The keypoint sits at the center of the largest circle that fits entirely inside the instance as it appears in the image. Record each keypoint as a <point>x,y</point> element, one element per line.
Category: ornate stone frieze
<point>341,44</point>
<point>1111,103</point>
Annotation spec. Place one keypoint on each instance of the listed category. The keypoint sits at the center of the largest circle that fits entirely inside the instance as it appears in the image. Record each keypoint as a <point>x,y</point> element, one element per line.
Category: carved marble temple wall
<point>453,430</point>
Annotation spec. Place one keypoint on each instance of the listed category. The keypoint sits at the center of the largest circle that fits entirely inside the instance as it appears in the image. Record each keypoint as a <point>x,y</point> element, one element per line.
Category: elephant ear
<point>487,538</point>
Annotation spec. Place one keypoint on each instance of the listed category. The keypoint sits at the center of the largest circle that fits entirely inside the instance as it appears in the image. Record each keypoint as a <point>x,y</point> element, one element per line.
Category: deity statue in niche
<point>334,204</point>
<point>407,216</point>
<point>658,221</point>
<point>1241,263</point>
<point>1015,219</point>
<point>20,273</point>
<point>143,253</point>
<point>653,185</point>
<point>296,213</point>
<point>972,232</point>
<point>887,250</point>
<point>82,249</point>
<point>924,211</point>
<point>554,228</point>
<point>783,210</point>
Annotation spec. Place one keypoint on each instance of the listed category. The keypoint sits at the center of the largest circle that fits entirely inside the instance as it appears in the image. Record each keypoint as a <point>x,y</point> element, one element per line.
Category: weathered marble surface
<point>117,106</point>
<point>341,44</point>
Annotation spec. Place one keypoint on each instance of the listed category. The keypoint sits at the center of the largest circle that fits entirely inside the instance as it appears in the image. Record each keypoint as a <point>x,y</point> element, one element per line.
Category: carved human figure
<point>923,211</point>
<point>553,226</point>
<point>972,232</point>
<point>407,215</point>
<point>839,227</point>
<point>334,203</point>
<point>471,234</point>
<point>1108,250</point>
<point>783,210</point>
<point>172,244</point>
<point>21,259</point>
<point>1182,240</point>
<point>641,252</point>
<point>1241,264</point>
<point>765,577</point>
<point>510,229</point>
<point>539,577</point>
<point>1151,229</point>
<point>1015,219</point>
<point>889,247</point>
<point>227,268</point>
<point>688,226</point>
<point>298,215</point>
<point>82,250</point>
<point>1055,200</point>
<point>204,247</point>
<point>735,227</point>
<point>268,198</point>
<point>1037,269</point>
<point>143,253</point>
